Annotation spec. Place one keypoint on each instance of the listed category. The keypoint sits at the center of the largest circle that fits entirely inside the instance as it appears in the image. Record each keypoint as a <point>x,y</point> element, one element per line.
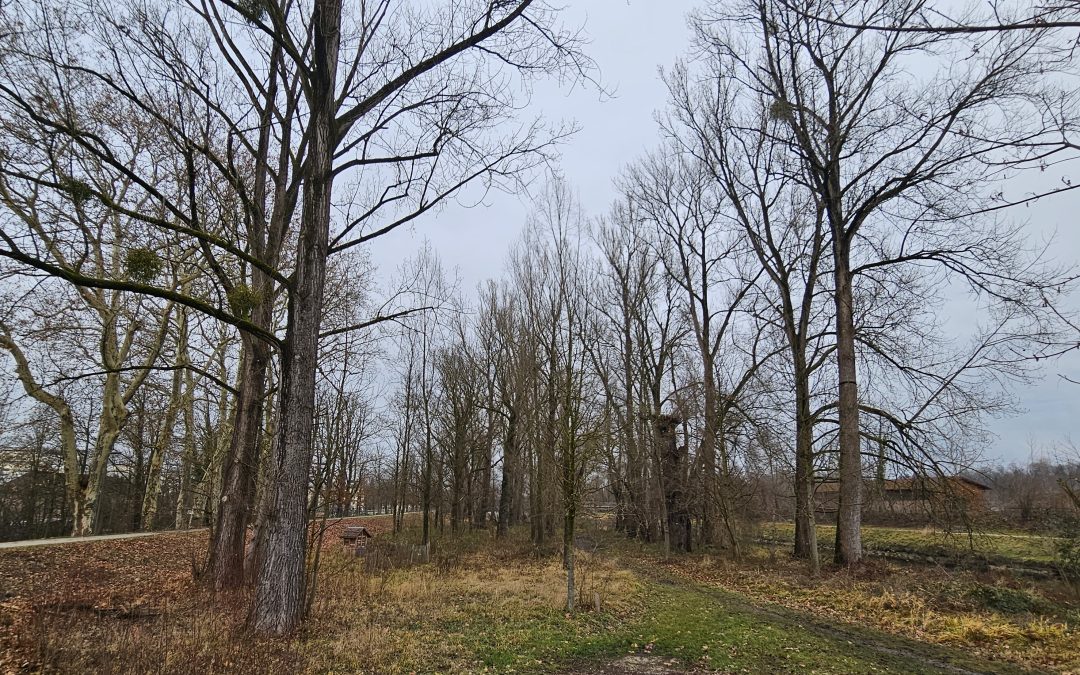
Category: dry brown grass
<point>131,606</point>
<point>1032,624</point>
<point>426,617</point>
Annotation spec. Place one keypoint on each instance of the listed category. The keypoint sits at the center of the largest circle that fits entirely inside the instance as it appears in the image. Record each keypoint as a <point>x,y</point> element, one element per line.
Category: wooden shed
<point>355,538</point>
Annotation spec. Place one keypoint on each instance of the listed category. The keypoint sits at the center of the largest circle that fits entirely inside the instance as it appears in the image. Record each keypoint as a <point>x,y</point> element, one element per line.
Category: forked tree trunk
<point>110,423</point>
<point>240,468</point>
<point>279,590</point>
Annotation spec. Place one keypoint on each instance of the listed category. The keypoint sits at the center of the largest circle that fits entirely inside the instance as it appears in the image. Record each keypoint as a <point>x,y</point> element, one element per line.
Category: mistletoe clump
<point>79,191</point>
<point>242,300</point>
<point>142,265</point>
<point>781,110</point>
<point>253,10</point>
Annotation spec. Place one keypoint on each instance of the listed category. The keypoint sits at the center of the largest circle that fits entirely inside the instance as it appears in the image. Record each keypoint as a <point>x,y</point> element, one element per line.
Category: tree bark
<point>849,513</point>
<point>280,587</point>
<point>805,527</point>
<point>569,561</point>
<point>110,422</point>
<point>161,444</point>
<point>184,500</point>
<point>508,469</point>
<point>240,467</point>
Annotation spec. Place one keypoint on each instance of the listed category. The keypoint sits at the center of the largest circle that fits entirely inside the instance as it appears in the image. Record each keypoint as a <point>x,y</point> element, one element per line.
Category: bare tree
<point>674,193</point>
<point>727,130</point>
<point>573,415</point>
<point>129,330</point>
<point>452,85</point>
<point>883,150</point>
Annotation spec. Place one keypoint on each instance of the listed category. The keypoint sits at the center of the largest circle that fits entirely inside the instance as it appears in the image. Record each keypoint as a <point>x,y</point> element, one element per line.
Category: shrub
<point>1068,554</point>
<point>1006,600</point>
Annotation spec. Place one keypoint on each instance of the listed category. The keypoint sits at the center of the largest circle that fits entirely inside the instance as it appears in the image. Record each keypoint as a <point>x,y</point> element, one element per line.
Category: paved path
<point>26,543</point>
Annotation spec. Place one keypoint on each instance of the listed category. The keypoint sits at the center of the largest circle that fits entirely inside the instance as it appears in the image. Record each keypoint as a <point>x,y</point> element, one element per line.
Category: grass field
<point>1006,547</point>
<point>131,606</point>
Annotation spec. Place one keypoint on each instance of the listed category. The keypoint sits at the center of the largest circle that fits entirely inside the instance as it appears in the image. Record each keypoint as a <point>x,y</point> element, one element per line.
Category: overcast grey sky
<point>631,39</point>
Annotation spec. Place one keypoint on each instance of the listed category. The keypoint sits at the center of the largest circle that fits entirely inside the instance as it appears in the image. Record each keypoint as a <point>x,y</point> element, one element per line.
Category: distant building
<point>914,498</point>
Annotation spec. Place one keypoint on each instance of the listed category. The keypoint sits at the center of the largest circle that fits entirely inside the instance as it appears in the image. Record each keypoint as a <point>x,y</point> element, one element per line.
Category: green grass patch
<point>543,640</point>
<point>702,631</point>
<point>684,625</point>
<point>1008,600</point>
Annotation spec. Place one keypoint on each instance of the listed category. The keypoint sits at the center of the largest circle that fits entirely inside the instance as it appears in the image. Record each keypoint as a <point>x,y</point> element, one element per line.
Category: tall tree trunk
<point>240,466</point>
<point>480,519</point>
<point>184,497</point>
<point>110,423</point>
<point>849,512</point>
<point>152,493</point>
<point>426,479</point>
<point>207,486</point>
<point>673,470</point>
<point>236,502</point>
<point>569,561</point>
<point>707,449</point>
<point>725,489</point>
<point>459,473</point>
<point>536,491</point>
<point>263,490</point>
<point>280,587</point>
<point>805,527</point>
<point>165,435</point>
<point>509,467</point>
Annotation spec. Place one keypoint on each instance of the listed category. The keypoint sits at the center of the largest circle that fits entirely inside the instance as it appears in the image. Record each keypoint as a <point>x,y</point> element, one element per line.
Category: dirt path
<point>889,646</point>
<point>633,665</point>
<point>925,657</point>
